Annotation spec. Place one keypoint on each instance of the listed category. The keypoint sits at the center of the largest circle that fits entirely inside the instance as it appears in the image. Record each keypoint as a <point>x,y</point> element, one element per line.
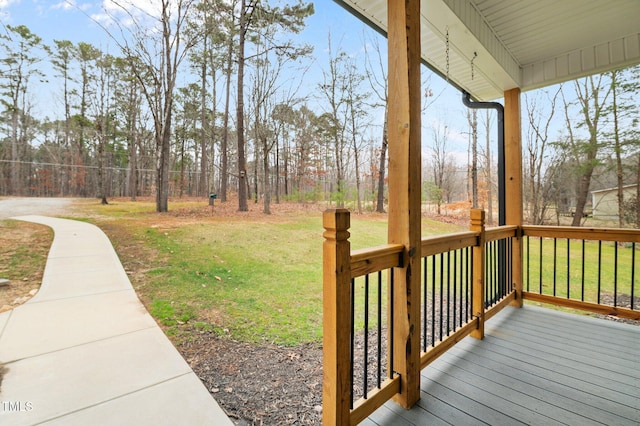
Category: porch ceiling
<point>526,43</point>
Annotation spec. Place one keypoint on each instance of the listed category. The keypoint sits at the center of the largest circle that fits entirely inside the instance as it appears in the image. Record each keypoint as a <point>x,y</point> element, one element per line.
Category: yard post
<point>478,282</point>
<point>336,272</point>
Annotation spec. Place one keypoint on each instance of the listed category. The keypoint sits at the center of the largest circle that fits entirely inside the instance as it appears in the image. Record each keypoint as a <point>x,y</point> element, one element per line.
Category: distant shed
<point>605,201</point>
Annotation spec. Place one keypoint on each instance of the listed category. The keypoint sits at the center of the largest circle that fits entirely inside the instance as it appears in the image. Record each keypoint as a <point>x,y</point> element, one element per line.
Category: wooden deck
<point>535,366</point>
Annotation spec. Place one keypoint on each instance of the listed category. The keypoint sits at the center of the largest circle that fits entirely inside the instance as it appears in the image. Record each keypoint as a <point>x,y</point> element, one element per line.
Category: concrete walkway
<point>85,351</point>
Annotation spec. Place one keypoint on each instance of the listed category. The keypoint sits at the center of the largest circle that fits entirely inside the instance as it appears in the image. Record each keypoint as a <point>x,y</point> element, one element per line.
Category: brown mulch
<point>621,300</point>
<point>261,384</point>
<point>267,384</point>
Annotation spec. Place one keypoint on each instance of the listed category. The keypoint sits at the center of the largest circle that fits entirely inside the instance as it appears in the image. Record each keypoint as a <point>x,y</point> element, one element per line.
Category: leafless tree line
<point>157,118</point>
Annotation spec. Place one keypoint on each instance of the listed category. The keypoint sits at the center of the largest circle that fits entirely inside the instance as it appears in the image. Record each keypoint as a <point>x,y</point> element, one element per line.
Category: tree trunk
<point>242,168</point>
<point>488,176</point>
<point>267,189</point>
<point>224,154</point>
<point>203,187</point>
<point>383,164</point>
<point>101,178</point>
<point>255,176</point>
<point>473,121</point>
<point>617,148</point>
<point>590,92</point>
<point>132,181</point>
<point>15,164</point>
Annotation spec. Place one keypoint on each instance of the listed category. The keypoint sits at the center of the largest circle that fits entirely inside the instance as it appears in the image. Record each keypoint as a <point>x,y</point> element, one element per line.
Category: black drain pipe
<point>502,208</point>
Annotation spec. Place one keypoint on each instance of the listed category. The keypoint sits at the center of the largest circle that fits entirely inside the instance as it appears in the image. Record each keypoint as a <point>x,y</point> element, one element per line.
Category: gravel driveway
<point>26,206</point>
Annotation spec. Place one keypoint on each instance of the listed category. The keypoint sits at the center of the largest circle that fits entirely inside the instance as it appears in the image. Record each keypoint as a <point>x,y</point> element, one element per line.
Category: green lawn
<point>254,279</point>
<point>599,268</point>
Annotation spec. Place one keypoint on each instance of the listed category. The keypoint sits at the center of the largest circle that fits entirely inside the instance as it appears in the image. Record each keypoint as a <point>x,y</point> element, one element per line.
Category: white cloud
<point>128,13</point>
<point>7,3</point>
<point>65,5</point>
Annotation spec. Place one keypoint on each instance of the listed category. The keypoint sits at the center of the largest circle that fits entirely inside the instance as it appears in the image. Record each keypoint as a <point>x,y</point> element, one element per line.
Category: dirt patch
<point>24,248</point>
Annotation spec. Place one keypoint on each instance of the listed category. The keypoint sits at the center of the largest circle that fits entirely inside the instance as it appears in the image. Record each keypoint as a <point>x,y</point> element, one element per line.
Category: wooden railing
<point>342,269</point>
<point>358,364</point>
<point>467,278</point>
<point>596,270</point>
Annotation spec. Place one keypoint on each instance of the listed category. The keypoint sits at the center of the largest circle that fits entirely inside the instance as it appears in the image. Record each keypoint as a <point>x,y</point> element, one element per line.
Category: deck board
<point>544,387</point>
<point>535,366</point>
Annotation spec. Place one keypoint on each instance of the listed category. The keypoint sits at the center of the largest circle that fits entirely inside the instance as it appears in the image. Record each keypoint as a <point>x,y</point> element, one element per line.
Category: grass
<point>23,253</point>
<point>18,258</point>
<point>256,278</point>
<point>599,275</point>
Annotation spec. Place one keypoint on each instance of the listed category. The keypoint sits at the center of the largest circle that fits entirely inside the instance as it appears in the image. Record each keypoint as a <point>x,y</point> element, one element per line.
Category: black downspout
<point>502,207</point>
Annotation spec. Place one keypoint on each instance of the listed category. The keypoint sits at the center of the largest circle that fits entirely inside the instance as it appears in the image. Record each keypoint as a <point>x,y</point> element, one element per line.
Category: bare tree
<point>632,88</point>
<point>487,167</point>
<point>61,59</point>
<point>253,16</point>
<point>155,53</point>
<point>537,153</point>
<point>19,66</point>
<point>103,121</point>
<point>472,119</point>
<point>227,38</point>
<point>246,13</point>
<point>442,165</point>
<point>378,81</point>
<point>592,93</point>
<point>131,95</point>
<point>334,121</point>
<point>356,103</point>
<point>625,135</point>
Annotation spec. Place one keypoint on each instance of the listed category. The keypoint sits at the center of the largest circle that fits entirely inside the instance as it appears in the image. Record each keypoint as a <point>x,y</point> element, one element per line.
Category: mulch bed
<point>261,384</point>
<point>267,384</point>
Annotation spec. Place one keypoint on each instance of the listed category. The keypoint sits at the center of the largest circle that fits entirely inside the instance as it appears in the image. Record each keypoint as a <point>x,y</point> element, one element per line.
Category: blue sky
<point>70,20</point>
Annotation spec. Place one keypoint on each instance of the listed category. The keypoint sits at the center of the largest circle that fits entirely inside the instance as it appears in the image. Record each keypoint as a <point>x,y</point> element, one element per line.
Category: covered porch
<point>534,366</point>
<point>397,317</point>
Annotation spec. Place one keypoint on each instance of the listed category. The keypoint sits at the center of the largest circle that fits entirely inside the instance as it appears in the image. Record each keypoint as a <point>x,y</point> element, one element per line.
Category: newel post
<point>336,272</point>
<point>477,303</point>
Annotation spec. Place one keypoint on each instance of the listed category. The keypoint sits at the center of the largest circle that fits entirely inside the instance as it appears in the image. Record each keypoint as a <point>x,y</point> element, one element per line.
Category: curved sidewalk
<point>84,350</point>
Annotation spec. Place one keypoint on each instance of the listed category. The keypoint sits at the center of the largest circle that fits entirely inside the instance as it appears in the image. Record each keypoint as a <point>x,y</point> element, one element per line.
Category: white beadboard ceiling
<point>519,43</point>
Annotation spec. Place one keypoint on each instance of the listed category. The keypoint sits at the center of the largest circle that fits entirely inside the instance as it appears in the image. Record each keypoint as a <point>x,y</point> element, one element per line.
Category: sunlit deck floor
<point>535,366</point>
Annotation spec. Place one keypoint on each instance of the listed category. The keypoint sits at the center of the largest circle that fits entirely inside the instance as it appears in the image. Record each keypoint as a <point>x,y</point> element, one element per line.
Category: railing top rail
<point>579,233</point>
<point>443,243</point>
<point>369,260</point>
<point>378,251</point>
<point>500,232</point>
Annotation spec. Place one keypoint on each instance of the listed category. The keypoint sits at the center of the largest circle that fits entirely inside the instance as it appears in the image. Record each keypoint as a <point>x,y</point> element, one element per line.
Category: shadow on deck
<point>535,366</point>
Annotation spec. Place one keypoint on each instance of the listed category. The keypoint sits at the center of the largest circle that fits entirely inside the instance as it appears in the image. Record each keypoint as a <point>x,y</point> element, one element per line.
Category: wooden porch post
<point>478,283</point>
<point>405,189</point>
<point>336,299</point>
<point>513,178</point>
